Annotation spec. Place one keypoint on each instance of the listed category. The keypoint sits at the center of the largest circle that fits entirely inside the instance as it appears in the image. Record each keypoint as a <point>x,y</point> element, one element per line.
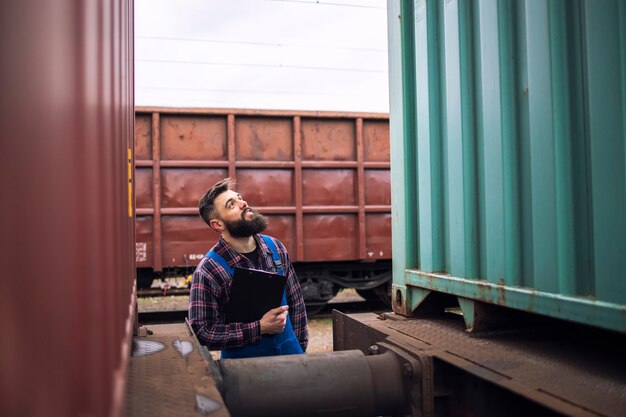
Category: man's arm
<point>205,301</point>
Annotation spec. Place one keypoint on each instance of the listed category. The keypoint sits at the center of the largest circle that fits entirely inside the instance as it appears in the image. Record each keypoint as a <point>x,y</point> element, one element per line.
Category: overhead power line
<point>232,64</point>
<point>332,3</point>
<point>288,45</point>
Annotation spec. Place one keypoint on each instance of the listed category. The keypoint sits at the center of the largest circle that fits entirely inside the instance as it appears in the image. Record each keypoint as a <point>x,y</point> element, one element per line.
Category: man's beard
<point>246,228</point>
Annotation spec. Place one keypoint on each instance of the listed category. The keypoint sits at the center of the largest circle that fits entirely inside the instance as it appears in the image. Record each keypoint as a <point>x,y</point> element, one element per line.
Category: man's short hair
<point>206,208</point>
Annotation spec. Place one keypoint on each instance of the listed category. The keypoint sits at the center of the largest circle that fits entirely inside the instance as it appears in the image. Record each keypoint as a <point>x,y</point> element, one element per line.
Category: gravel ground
<point>320,335</point>
<point>167,303</point>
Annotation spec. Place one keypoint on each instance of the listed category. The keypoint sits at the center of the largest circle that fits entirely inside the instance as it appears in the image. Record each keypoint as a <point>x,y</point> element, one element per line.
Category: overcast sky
<point>262,54</point>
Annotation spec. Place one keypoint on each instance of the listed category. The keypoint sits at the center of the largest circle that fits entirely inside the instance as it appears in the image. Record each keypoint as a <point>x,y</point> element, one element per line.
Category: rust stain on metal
<point>266,188</point>
<point>193,138</point>
<point>376,141</point>
<point>307,171</point>
<point>297,149</point>
<point>329,187</point>
<point>501,291</point>
<point>143,137</point>
<point>378,236</point>
<point>567,369</point>
<point>172,377</point>
<point>260,139</point>
<point>328,140</point>
<point>377,191</point>
<point>260,112</point>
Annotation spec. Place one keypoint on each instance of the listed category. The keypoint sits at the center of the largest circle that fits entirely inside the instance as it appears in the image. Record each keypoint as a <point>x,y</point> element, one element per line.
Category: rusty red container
<point>67,216</point>
<point>321,178</point>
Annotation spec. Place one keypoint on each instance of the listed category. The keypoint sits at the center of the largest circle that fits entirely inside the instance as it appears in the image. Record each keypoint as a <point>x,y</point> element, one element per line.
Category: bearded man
<point>280,331</point>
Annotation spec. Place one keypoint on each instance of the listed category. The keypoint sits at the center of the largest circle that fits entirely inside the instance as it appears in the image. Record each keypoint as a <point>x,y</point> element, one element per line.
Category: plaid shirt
<point>210,289</point>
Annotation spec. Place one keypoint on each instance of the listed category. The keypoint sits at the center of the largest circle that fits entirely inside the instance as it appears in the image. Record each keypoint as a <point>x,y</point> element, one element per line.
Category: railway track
<point>169,305</point>
<point>349,307</point>
<point>161,292</point>
<point>162,316</point>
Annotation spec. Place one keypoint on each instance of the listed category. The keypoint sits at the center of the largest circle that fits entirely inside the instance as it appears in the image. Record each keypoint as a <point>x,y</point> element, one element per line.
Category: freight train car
<point>508,159</point>
<point>66,139</point>
<point>321,178</point>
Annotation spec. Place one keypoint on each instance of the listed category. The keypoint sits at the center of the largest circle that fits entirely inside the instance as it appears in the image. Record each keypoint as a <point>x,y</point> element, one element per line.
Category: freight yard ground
<point>320,326</point>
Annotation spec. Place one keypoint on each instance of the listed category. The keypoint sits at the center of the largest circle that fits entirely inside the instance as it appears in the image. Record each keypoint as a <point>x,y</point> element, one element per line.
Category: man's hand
<point>274,320</point>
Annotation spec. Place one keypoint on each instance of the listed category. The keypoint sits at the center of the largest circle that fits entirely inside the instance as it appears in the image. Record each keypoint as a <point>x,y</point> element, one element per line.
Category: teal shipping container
<point>508,156</point>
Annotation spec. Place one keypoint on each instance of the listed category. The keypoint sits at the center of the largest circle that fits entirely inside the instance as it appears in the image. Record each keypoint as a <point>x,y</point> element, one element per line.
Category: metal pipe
<point>330,384</point>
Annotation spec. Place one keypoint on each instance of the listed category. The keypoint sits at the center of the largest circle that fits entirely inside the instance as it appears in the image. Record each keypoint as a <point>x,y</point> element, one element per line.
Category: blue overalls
<point>285,343</point>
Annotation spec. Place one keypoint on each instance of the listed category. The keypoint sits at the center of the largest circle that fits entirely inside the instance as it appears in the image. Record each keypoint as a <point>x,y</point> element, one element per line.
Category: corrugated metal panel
<point>66,213</point>
<point>321,177</point>
<point>508,127</point>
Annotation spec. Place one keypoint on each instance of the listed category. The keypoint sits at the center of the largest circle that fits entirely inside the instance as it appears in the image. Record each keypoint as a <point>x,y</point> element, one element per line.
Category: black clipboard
<point>253,293</point>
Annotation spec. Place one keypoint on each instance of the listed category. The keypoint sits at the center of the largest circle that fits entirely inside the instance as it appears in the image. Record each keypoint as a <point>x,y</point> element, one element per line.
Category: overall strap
<point>270,243</point>
<point>221,261</point>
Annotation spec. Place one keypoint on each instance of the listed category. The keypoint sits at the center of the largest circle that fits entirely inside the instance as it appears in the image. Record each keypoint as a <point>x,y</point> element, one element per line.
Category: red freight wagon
<point>321,178</point>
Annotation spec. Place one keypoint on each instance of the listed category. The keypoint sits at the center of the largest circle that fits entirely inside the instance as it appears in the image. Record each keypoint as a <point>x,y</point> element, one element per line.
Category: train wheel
<point>369,295</point>
<point>314,308</point>
<point>382,294</point>
<point>316,292</point>
<point>144,278</point>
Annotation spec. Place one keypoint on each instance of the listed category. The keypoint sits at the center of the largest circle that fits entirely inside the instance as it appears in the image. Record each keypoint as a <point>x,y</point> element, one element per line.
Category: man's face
<point>239,219</point>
